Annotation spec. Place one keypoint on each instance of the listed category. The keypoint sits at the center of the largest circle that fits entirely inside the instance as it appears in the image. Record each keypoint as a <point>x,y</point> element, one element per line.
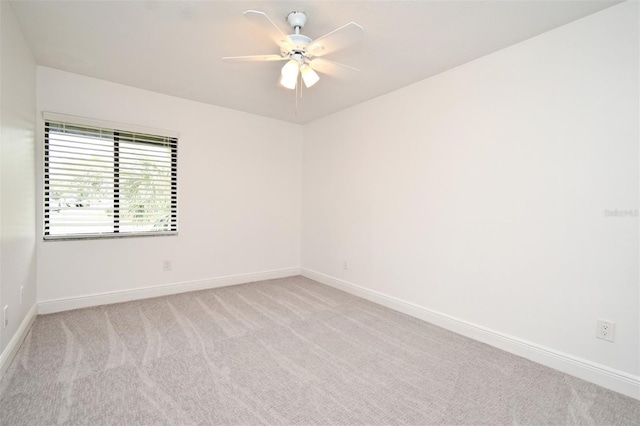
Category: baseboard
<point>604,376</point>
<point>66,304</point>
<point>14,344</point>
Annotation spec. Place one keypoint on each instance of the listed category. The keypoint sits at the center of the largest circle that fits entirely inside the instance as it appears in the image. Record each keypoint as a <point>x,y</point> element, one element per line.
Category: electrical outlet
<point>21,293</point>
<point>166,265</point>
<point>345,265</point>
<point>605,329</point>
<point>5,316</point>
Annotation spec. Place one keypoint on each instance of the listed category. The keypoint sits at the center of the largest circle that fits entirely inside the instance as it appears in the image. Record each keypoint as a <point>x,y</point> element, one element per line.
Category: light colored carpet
<point>287,351</point>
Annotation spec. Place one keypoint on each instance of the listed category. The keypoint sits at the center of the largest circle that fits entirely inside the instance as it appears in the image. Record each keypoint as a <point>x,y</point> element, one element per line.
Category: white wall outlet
<point>345,265</point>
<point>5,316</point>
<point>605,329</point>
<point>21,293</point>
<point>166,265</point>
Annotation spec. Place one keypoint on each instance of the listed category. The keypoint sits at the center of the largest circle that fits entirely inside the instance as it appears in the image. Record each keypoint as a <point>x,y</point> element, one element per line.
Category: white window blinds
<point>106,182</point>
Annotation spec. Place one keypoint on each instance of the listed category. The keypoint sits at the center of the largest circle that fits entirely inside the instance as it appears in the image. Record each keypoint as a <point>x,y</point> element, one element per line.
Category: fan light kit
<point>303,55</point>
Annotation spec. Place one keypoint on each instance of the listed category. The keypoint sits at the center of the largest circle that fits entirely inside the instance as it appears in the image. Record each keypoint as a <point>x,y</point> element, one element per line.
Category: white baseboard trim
<point>14,344</point>
<point>618,381</point>
<point>66,304</point>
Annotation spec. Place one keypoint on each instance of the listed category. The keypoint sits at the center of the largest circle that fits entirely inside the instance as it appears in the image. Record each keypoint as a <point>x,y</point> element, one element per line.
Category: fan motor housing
<point>298,41</point>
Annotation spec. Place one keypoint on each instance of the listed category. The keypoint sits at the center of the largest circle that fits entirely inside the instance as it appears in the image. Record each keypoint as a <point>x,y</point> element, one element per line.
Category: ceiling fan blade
<point>261,20</point>
<point>254,58</point>
<point>332,68</point>
<point>336,39</point>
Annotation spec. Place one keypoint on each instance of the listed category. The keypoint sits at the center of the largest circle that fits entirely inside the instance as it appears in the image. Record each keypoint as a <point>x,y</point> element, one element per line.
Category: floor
<point>285,351</point>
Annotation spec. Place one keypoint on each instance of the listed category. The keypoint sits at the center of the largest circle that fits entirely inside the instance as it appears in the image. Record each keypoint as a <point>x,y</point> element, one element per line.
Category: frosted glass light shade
<point>290,74</point>
<point>309,76</point>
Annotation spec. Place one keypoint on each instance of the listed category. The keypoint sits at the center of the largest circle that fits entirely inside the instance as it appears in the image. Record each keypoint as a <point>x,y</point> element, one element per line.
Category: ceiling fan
<point>304,56</point>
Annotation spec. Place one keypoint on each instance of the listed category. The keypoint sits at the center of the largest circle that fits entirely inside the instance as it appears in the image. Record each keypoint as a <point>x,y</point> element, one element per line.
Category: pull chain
<point>296,95</point>
<point>298,85</point>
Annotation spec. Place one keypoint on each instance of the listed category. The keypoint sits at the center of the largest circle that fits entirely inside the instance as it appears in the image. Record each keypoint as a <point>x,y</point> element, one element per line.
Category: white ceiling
<point>174,47</point>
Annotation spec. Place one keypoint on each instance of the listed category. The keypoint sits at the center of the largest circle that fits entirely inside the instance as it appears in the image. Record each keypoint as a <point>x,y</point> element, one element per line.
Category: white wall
<point>17,194</point>
<point>239,183</point>
<point>480,193</point>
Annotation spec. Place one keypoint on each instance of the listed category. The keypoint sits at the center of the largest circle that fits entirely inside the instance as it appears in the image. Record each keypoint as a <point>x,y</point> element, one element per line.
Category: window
<point>107,182</point>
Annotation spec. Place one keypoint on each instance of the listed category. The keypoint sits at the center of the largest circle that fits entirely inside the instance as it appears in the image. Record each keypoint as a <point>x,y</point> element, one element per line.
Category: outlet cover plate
<point>605,329</point>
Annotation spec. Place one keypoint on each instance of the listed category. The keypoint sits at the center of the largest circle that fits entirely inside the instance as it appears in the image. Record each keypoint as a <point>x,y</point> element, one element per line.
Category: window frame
<point>116,129</point>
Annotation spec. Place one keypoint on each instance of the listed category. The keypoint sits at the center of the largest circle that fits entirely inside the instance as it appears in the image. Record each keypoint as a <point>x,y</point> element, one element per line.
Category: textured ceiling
<point>174,47</point>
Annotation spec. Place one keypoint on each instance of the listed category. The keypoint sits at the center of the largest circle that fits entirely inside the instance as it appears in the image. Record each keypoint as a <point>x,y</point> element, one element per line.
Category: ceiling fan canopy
<point>304,55</point>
